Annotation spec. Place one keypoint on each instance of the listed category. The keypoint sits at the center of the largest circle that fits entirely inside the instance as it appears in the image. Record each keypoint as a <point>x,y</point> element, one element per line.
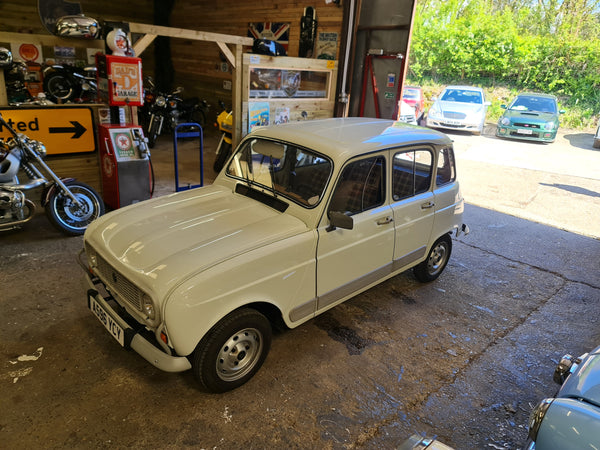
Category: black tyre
<point>596,143</point>
<point>232,351</point>
<point>222,156</point>
<point>436,260</point>
<point>199,117</point>
<point>153,132</point>
<point>67,216</point>
<point>61,87</point>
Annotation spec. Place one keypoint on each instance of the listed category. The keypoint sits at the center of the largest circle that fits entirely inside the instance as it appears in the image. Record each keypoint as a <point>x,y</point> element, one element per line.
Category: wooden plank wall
<point>198,65</point>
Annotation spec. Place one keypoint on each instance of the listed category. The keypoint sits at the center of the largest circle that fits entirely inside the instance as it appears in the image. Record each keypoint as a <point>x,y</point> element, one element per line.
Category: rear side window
<point>411,173</point>
<point>446,172</point>
<point>360,187</point>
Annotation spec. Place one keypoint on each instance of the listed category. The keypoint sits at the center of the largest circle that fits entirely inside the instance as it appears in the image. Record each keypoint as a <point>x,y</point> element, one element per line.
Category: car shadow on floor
<point>582,140</point>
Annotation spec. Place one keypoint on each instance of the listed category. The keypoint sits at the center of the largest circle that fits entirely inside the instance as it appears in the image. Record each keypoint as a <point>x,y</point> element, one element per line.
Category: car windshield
<point>462,96</point>
<point>282,168</point>
<point>530,103</point>
<point>411,94</point>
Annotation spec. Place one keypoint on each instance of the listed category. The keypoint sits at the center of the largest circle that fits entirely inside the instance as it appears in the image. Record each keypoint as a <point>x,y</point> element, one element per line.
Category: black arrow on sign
<point>77,129</point>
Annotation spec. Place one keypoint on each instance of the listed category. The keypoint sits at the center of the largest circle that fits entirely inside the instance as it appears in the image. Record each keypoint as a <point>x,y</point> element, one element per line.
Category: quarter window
<point>360,187</point>
<point>411,173</point>
<point>446,169</point>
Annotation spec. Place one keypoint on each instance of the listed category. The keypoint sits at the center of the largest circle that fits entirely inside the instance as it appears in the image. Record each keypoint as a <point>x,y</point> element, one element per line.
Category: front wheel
<point>436,260</point>
<point>232,351</point>
<point>66,215</point>
<point>596,143</point>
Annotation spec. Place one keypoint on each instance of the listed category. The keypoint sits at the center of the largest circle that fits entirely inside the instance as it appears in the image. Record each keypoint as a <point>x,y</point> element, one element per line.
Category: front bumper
<point>538,135</point>
<point>133,337</point>
<point>453,125</point>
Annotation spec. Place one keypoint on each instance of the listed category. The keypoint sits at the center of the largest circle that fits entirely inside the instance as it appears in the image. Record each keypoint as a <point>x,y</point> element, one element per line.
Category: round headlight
<point>549,126</point>
<point>536,417</point>
<point>161,101</point>
<point>148,306</point>
<point>505,121</point>
<point>93,260</point>
<point>40,148</point>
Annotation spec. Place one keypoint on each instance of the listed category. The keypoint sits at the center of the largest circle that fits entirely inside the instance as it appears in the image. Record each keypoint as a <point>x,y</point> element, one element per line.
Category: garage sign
<point>61,130</point>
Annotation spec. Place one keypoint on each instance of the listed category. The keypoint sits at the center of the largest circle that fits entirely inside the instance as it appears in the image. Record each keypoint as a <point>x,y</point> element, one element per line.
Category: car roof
<point>465,88</point>
<point>343,138</point>
<point>536,94</point>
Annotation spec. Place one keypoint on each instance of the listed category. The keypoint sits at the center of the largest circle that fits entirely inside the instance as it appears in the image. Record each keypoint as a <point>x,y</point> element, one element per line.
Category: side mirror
<point>487,103</point>
<point>562,111</point>
<point>338,219</point>
<point>503,106</point>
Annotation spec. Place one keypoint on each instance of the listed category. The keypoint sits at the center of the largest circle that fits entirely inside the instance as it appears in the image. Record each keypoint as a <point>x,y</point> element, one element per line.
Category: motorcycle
<point>70,205</point>
<point>165,111</point>
<point>15,73</point>
<point>225,126</point>
<point>66,83</point>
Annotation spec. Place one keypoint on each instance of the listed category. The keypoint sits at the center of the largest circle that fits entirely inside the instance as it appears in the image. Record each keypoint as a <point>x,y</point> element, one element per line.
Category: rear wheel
<point>436,260</point>
<point>596,143</point>
<point>232,351</point>
<point>60,87</point>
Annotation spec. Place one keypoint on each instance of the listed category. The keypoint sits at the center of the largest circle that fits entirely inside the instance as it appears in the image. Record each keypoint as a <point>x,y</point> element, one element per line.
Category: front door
<point>351,260</point>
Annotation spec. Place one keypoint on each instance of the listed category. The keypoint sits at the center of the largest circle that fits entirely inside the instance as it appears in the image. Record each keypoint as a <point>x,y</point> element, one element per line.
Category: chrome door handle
<point>385,220</point>
<point>427,205</point>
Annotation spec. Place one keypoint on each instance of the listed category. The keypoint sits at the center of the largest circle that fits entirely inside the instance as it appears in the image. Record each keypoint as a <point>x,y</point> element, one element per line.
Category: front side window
<point>361,186</point>
<point>411,173</point>
<point>285,169</point>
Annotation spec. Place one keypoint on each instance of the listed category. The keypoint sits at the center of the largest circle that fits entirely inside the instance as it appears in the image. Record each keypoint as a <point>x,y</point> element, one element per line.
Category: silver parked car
<point>571,420</point>
<point>459,108</point>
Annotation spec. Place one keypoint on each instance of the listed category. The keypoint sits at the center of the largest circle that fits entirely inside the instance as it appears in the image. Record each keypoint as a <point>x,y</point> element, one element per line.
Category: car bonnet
<point>161,241</point>
<point>584,382</point>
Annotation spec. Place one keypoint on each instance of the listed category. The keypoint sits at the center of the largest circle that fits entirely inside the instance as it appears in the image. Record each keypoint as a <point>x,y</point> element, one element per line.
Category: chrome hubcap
<point>239,354</point>
<point>437,258</point>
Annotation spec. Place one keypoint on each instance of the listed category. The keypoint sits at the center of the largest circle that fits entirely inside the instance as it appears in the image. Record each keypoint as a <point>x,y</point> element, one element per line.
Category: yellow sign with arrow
<point>61,129</point>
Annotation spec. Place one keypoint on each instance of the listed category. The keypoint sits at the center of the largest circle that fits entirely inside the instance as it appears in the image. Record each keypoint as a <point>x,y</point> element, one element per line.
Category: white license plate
<point>109,323</point>
<point>452,122</point>
<point>525,131</point>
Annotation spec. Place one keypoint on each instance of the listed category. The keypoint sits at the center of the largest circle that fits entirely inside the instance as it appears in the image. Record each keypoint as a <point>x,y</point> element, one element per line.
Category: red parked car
<point>414,97</point>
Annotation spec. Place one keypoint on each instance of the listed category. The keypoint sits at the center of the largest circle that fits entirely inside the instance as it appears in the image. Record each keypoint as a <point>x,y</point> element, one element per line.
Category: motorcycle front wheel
<point>66,215</point>
<point>154,131</point>
<point>60,87</point>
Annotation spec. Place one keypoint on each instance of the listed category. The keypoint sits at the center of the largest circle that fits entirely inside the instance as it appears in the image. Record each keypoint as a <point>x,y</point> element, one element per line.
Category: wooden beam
<point>236,97</point>
<point>50,40</point>
<point>142,43</point>
<point>189,34</point>
<point>228,54</point>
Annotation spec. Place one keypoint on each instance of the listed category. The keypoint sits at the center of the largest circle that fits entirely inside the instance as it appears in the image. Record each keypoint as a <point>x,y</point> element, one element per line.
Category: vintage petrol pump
<point>124,155</point>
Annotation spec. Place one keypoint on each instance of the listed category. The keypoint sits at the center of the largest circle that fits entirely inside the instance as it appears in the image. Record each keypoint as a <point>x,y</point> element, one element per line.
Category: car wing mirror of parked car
<point>503,106</point>
<point>562,111</point>
<point>487,103</point>
<point>338,219</point>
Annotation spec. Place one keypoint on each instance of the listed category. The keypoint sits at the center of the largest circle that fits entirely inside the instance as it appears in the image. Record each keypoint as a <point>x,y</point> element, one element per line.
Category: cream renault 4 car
<point>302,217</point>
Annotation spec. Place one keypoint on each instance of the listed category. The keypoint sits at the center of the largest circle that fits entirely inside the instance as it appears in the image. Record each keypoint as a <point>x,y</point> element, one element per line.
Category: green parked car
<point>530,116</point>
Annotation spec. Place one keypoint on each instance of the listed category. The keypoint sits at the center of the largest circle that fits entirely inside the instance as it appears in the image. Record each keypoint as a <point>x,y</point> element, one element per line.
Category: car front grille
<point>454,115</point>
<point>527,125</point>
<point>118,284</point>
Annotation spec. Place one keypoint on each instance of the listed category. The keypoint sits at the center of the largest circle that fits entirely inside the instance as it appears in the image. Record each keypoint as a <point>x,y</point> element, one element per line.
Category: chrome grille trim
<point>117,283</point>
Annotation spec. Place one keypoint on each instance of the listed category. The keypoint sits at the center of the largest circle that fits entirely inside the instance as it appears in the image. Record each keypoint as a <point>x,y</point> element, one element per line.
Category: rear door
<point>413,203</point>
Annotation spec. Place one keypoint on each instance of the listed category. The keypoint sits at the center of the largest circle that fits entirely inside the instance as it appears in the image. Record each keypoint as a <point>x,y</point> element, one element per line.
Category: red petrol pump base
<point>125,163</point>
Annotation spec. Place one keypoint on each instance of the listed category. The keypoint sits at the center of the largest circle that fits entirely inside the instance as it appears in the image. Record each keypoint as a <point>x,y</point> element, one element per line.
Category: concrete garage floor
<point>463,358</point>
